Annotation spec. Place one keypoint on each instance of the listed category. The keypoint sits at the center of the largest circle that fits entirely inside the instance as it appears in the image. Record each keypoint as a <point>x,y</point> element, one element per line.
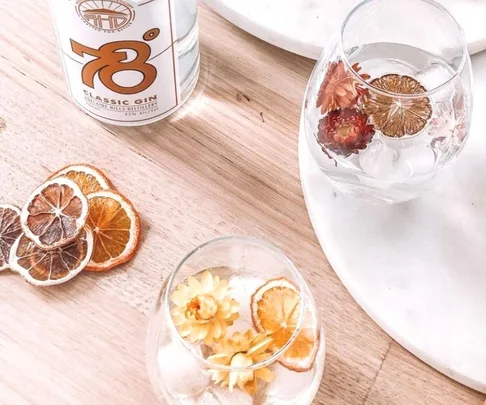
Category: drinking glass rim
<point>428,93</point>
<point>275,356</point>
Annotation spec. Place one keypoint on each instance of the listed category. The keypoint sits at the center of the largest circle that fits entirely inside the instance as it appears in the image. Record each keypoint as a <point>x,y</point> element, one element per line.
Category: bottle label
<point>119,57</point>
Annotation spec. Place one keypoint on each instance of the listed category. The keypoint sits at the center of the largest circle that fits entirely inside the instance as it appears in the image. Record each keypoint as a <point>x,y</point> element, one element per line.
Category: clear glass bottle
<point>187,45</point>
<point>128,62</point>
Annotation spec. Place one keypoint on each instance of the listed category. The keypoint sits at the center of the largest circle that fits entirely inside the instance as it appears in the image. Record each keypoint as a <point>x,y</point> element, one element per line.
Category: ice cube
<point>434,75</point>
<point>182,374</point>
<point>223,396</point>
<point>384,164</point>
<point>377,161</point>
<point>289,384</point>
<point>415,161</point>
<point>242,288</point>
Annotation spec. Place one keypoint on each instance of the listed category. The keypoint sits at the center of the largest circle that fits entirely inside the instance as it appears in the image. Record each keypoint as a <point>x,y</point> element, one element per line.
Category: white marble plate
<point>305,26</point>
<point>419,268</point>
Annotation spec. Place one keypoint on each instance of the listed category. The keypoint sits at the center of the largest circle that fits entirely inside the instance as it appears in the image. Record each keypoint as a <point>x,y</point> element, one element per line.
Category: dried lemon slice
<point>397,116</point>
<point>276,308</point>
<point>89,178</point>
<point>55,213</point>
<point>116,228</point>
<point>10,230</point>
<point>50,267</point>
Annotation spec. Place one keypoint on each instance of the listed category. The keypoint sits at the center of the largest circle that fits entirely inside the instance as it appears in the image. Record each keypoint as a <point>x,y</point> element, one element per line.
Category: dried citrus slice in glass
<point>397,117</point>
<point>10,230</point>
<point>50,267</point>
<point>116,230</point>
<point>55,213</point>
<point>87,177</point>
<point>276,309</point>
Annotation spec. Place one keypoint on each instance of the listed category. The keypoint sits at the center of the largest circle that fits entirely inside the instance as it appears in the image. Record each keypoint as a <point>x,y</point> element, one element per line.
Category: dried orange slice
<point>116,230</point>
<point>275,309</point>
<point>87,177</point>
<point>55,213</point>
<point>10,230</point>
<point>50,267</point>
<point>397,117</point>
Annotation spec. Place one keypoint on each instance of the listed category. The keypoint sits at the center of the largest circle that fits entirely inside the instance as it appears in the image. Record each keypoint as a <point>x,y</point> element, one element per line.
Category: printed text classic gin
<point>128,62</point>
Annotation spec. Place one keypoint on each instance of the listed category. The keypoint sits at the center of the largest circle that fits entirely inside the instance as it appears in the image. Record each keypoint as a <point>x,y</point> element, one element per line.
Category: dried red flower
<point>340,88</point>
<point>345,131</point>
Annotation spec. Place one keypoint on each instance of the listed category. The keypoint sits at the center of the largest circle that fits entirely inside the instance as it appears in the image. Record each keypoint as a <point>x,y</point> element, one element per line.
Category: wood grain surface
<point>226,163</point>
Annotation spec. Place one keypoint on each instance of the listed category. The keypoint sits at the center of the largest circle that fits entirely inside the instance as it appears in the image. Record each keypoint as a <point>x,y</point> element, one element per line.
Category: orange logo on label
<point>106,15</point>
<point>113,58</point>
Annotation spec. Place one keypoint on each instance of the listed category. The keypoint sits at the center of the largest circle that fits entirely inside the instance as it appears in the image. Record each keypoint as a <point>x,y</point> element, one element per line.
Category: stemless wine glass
<point>236,324</point>
<point>389,102</point>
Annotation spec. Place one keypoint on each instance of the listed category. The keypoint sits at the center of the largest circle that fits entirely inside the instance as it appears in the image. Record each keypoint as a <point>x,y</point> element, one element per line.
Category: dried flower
<point>242,350</point>
<point>345,131</point>
<point>395,116</point>
<point>204,310</point>
<point>460,130</point>
<point>340,88</point>
<point>459,102</point>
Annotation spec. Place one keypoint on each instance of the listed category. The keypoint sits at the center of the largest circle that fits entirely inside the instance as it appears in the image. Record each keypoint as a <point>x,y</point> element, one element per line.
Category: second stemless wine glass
<point>236,324</point>
<point>389,102</point>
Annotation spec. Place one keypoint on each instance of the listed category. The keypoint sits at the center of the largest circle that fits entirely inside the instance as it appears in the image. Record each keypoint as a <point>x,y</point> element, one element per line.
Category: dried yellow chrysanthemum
<point>242,350</point>
<point>204,309</point>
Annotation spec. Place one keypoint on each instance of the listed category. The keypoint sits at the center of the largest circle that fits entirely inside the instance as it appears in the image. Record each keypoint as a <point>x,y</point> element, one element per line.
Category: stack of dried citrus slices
<point>74,221</point>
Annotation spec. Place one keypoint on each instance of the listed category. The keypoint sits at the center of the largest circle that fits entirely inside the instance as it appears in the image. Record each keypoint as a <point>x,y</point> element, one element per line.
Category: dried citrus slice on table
<point>10,230</point>
<point>87,177</point>
<point>116,230</point>
<point>276,309</point>
<point>50,267</point>
<point>55,213</point>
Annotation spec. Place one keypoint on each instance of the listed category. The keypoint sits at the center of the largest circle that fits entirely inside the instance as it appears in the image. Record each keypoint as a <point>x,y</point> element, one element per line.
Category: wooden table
<point>225,164</point>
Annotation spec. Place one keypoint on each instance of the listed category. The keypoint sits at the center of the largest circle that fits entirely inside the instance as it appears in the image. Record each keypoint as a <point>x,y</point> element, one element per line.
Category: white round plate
<point>418,268</point>
<point>305,26</point>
